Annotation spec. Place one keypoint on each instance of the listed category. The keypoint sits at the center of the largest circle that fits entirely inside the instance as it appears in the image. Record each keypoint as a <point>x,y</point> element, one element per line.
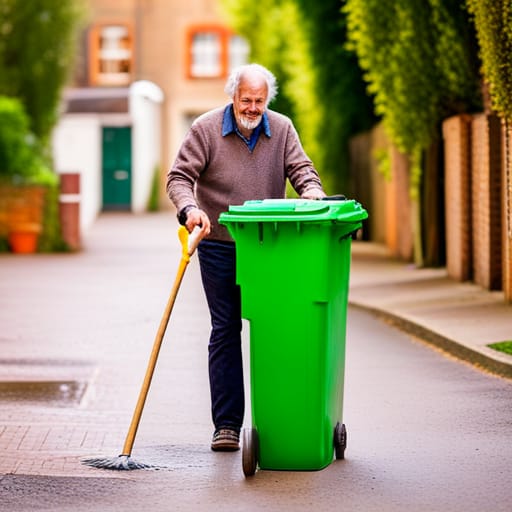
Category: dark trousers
<point>217,263</point>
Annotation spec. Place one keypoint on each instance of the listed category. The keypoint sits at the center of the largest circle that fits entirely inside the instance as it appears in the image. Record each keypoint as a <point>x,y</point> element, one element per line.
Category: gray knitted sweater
<point>212,171</point>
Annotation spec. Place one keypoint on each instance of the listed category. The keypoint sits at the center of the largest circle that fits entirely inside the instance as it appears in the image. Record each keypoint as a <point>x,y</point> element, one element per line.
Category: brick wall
<point>380,185</point>
<point>402,208</point>
<point>387,199</point>
<point>486,200</point>
<point>506,183</point>
<point>457,155</point>
<point>360,180</point>
<point>478,200</point>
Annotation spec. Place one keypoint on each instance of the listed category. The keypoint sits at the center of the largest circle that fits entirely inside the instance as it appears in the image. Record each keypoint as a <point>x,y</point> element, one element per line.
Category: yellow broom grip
<point>189,242</point>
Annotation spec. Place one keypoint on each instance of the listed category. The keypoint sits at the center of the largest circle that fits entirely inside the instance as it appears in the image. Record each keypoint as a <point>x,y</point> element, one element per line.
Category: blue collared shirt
<point>229,126</point>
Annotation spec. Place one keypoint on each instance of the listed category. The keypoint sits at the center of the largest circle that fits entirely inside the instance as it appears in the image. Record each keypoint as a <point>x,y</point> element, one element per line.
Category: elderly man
<point>231,154</point>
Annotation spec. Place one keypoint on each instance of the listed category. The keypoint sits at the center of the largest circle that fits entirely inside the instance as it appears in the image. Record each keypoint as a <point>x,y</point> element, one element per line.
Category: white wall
<point>145,111</point>
<point>77,148</point>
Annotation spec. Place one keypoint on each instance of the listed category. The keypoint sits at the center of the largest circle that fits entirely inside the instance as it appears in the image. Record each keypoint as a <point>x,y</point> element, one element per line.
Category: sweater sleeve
<point>299,168</point>
<point>186,169</point>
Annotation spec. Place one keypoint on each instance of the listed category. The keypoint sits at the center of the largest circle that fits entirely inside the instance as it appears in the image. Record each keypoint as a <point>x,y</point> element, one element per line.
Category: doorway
<point>117,168</point>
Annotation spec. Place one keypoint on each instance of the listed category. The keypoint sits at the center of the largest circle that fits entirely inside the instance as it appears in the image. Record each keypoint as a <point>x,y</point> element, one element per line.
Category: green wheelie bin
<point>293,265</point>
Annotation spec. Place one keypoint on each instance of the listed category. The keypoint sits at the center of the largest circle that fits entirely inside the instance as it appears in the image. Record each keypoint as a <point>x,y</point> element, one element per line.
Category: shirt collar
<point>229,123</point>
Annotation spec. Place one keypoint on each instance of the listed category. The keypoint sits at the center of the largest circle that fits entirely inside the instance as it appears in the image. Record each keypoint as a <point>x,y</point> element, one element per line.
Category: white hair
<point>238,73</point>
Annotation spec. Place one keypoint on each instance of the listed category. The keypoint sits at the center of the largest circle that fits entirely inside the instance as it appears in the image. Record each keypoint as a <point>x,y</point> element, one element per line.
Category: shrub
<point>37,49</point>
<point>20,153</point>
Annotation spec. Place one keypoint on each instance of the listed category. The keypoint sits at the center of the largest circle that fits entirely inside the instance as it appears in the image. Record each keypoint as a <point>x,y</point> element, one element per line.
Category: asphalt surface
<point>76,331</point>
<point>426,433</point>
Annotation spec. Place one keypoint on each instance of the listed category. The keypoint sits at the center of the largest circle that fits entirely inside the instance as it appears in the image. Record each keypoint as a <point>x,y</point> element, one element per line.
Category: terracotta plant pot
<point>22,239</point>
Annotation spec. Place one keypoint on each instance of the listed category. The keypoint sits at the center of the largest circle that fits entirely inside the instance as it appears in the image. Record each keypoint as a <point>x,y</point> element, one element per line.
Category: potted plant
<point>24,178</point>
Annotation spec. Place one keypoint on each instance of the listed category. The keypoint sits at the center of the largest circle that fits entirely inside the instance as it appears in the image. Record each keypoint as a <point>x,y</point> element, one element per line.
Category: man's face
<point>249,102</point>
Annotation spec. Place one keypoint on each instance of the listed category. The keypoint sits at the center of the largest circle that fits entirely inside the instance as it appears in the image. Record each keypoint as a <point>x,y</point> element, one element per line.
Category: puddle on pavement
<point>50,383</point>
<point>52,394</point>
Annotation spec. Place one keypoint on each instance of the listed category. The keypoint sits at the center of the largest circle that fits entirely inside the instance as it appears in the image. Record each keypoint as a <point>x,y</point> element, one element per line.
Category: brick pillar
<point>457,163</point>
<point>404,228</point>
<point>486,201</point>
<point>507,213</point>
<point>69,209</point>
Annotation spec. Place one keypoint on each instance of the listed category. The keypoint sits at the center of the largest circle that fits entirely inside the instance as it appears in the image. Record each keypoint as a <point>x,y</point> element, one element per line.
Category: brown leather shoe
<point>225,440</point>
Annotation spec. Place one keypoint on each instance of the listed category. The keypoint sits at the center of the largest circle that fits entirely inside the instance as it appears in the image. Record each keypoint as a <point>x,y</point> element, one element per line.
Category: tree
<point>37,45</point>
<point>346,108</point>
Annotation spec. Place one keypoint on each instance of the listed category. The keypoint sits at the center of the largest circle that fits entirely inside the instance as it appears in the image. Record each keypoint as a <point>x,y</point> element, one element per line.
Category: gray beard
<point>249,125</point>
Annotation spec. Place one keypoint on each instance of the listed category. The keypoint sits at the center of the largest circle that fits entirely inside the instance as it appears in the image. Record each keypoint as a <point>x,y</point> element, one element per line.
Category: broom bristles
<point>121,462</point>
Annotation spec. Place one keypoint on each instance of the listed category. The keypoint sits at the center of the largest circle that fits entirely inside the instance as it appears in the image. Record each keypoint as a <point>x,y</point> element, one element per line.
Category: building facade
<point>145,70</point>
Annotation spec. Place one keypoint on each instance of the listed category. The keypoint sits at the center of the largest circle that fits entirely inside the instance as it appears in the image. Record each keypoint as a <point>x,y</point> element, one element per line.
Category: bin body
<point>293,265</point>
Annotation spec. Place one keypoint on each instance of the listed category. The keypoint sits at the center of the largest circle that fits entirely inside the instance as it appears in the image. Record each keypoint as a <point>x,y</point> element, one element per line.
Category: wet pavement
<point>77,329</point>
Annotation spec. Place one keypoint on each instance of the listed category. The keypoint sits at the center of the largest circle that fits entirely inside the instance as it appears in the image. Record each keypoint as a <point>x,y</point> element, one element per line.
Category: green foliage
<point>153,202</point>
<point>502,346</point>
<point>417,60</point>
<point>17,153</point>
<point>20,153</point>
<point>36,50</point>
<point>345,107</point>
<point>493,22</point>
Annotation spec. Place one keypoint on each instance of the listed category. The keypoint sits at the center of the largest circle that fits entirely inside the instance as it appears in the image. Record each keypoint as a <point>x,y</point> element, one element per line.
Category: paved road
<point>426,433</point>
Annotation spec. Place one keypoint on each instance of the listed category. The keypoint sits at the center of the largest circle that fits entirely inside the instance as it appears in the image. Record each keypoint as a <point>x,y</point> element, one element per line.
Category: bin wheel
<point>340,440</point>
<point>249,451</point>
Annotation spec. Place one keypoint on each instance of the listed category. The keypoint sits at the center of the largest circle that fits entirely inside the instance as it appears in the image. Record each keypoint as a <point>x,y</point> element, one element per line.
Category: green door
<point>117,168</point>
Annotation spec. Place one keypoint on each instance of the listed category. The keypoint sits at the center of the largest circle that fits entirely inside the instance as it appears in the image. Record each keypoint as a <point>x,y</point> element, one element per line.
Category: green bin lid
<point>304,210</point>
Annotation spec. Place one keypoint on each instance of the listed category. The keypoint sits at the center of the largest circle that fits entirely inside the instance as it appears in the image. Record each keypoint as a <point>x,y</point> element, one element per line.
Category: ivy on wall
<point>419,65</point>
<point>344,105</point>
<point>418,59</point>
<point>493,22</point>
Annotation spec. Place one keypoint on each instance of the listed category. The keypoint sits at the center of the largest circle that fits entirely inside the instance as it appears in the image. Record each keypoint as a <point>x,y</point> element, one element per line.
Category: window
<point>206,55</point>
<point>214,51</point>
<point>238,51</point>
<point>110,55</point>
